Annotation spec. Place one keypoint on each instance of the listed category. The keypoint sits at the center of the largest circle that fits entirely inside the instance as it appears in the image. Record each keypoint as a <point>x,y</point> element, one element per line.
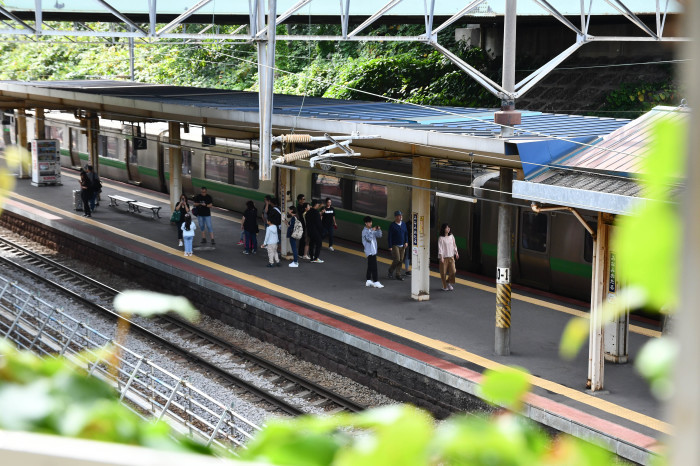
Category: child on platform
<point>271,241</point>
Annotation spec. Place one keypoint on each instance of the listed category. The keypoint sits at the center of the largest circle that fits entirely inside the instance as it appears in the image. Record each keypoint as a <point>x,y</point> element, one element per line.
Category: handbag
<point>298,230</point>
<point>175,217</point>
<point>195,211</point>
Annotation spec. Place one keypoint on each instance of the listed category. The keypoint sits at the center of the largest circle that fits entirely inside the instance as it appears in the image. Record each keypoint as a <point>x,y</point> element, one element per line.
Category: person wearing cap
<point>398,242</point>
<point>314,230</point>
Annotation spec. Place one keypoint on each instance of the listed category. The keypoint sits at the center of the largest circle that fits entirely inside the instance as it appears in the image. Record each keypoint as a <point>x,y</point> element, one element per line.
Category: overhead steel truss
<point>130,24</point>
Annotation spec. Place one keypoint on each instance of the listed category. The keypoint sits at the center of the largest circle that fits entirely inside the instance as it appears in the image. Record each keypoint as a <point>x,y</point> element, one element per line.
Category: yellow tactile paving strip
<point>442,346</point>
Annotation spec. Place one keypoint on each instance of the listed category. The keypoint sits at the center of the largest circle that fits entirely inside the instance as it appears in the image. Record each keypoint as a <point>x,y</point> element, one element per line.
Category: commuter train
<point>550,251</point>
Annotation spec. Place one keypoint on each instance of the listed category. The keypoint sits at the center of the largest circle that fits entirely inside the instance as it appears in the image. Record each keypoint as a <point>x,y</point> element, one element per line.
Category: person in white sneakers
<point>271,241</point>
<point>369,241</point>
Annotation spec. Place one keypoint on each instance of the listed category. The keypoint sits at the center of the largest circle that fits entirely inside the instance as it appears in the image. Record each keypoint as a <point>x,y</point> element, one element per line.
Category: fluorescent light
<point>456,196</point>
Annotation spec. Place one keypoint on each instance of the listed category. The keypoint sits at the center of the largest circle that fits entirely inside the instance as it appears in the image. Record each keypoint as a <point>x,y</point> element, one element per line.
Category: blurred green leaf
<point>574,336</point>
<point>647,244</point>
<point>148,303</point>
<point>655,363</point>
<point>505,387</point>
<point>398,434</point>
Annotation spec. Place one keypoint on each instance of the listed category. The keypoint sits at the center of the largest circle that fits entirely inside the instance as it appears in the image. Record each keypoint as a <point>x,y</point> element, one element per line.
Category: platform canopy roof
<point>600,176</point>
<point>399,130</point>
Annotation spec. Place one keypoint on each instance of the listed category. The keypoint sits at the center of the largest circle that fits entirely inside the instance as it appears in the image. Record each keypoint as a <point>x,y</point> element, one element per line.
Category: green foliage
<point>648,244</point>
<point>50,396</point>
<point>641,97</point>
<point>403,435</point>
<point>506,387</point>
<point>655,363</point>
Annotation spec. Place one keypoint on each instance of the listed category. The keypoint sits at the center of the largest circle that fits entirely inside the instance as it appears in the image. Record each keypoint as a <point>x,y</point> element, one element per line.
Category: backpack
<point>298,230</point>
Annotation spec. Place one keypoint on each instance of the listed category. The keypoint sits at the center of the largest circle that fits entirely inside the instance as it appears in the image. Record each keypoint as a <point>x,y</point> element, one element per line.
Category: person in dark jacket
<point>303,247</point>
<point>85,192</point>
<point>249,224</point>
<point>314,230</point>
<point>398,242</point>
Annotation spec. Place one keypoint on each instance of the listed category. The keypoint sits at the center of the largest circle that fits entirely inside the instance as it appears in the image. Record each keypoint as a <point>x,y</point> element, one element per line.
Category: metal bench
<point>136,207</point>
<point>114,198</point>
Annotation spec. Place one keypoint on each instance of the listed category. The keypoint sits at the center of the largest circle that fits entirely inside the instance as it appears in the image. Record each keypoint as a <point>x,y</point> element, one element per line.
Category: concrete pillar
<point>419,226</point>
<point>596,361</point>
<point>503,273</point>
<point>25,167</point>
<point>39,124</point>
<point>616,332</point>
<point>93,132</point>
<point>175,162</point>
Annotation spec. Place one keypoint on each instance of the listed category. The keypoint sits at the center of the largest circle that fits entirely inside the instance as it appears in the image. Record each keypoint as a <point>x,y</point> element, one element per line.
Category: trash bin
<point>77,200</point>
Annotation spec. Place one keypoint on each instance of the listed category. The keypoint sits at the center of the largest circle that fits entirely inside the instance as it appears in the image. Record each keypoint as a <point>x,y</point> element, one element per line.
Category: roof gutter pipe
<point>539,209</point>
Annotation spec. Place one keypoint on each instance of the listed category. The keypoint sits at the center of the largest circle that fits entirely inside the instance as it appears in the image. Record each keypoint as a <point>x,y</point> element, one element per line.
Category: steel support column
<point>93,130</point>
<point>419,227</point>
<point>25,166</point>
<point>508,117</point>
<point>596,360</point>
<point>616,332</point>
<point>175,162</point>
<point>503,274</point>
<point>39,124</point>
<point>266,79</point>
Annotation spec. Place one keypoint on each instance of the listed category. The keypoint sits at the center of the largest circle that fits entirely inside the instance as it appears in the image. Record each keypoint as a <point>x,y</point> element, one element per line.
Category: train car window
<point>217,168</point>
<point>186,162</point>
<point>327,186</point>
<point>370,198</point>
<point>78,141</point>
<point>54,132</point>
<point>108,147</point>
<point>246,174</point>
<point>534,231</point>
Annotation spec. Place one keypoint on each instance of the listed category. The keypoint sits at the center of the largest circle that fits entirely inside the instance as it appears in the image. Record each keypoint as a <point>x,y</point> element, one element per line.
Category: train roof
<point>599,176</point>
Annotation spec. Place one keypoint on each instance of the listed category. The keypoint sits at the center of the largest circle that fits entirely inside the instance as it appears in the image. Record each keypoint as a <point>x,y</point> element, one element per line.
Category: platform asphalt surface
<point>453,330</point>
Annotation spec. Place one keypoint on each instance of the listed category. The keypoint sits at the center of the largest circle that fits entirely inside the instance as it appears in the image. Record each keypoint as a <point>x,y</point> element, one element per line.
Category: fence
<point>145,388</point>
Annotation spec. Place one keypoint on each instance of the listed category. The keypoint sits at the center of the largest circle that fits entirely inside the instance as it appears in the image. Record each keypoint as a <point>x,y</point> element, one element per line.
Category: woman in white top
<point>447,253</point>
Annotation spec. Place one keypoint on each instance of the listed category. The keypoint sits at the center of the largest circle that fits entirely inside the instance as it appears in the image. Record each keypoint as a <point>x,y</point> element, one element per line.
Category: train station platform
<point>448,339</point>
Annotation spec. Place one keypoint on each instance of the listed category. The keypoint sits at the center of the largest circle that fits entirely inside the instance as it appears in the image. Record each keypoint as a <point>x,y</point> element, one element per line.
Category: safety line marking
<point>442,346</point>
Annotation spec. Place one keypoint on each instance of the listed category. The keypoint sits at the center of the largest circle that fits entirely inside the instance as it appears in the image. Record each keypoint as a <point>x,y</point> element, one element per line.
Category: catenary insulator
<point>302,154</point>
<point>290,138</point>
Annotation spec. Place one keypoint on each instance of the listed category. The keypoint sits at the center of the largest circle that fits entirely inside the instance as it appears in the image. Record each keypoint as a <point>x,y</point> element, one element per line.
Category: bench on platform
<point>114,200</point>
<point>136,207</point>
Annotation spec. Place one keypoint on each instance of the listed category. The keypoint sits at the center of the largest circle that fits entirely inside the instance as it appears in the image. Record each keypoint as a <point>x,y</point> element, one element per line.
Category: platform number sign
<point>611,278</point>
<point>502,275</point>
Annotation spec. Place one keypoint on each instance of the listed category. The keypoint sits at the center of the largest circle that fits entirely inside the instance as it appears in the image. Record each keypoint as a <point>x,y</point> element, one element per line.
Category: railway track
<point>204,348</point>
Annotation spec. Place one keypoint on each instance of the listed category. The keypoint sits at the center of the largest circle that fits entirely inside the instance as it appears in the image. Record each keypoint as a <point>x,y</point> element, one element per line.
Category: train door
<point>163,164</point>
<point>132,162</point>
<point>533,249</point>
<point>77,141</point>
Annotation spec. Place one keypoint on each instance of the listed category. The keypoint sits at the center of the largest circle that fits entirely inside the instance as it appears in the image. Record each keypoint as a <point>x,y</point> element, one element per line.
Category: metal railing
<point>145,388</point>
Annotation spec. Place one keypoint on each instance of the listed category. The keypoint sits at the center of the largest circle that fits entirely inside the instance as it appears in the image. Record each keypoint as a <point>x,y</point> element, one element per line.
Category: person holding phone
<point>203,202</point>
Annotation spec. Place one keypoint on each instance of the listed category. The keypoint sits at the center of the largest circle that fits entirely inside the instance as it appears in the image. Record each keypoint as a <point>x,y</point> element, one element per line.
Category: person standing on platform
<point>314,229</point>
<point>249,224</point>
<point>301,214</point>
<point>275,215</point>
<point>271,240</point>
<point>369,241</point>
<point>188,227</point>
<point>329,223</point>
<point>266,208</point>
<point>85,192</point>
<point>203,203</point>
<point>96,186</point>
<point>447,253</point>
<point>292,224</point>
<point>398,242</point>
<point>184,208</point>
